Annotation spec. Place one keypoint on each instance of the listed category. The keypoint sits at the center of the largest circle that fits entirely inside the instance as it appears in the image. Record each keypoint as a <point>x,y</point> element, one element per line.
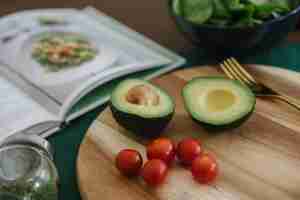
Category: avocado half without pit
<point>141,107</point>
<point>218,103</point>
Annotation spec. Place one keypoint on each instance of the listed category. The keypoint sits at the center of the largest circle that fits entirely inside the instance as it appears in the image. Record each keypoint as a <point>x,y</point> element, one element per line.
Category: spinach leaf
<point>197,11</point>
<point>246,22</point>
<point>245,16</point>
<point>259,2</point>
<point>242,12</point>
<point>267,10</point>
<point>177,7</point>
<point>220,9</point>
<point>233,4</point>
<point>232,12</point>
<point>284,4</point>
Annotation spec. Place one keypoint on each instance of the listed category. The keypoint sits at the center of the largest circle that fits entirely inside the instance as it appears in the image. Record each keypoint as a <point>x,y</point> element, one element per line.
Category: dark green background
<point>67,141</point>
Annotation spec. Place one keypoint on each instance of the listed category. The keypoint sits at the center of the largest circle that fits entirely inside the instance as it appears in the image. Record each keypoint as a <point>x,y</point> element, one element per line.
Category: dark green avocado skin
<point>145,127</point>
<point>219,128</point>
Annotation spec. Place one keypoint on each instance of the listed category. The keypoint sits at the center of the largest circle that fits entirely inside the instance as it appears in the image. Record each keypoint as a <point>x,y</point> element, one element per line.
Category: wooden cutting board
<point>258,161</point>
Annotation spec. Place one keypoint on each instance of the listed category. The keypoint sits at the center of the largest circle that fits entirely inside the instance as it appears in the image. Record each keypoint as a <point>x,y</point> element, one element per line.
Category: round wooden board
<point>258,161</point>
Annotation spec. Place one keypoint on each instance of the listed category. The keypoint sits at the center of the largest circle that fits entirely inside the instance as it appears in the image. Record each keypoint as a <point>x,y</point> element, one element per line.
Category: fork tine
<point>242,70</point>
<point>226,71</point>
<point>234,73</point>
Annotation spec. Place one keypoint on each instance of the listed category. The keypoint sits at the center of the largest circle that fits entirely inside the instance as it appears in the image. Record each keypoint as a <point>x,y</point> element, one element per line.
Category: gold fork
<point>234,70</point>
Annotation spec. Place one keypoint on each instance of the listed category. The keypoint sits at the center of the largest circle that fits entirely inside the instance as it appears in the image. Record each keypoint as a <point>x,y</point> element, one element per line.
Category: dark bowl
<point>236,40</point>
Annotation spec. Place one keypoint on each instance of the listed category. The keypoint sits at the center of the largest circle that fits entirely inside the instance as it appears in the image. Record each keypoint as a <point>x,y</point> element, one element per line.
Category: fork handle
<point>291,101</point>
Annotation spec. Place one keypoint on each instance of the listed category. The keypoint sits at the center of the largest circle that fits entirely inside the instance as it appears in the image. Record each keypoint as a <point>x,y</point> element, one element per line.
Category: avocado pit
<point>142,95</point>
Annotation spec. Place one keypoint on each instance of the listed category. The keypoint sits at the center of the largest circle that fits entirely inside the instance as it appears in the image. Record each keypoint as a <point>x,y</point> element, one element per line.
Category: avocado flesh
<point>217,102</point>
<point>144,119</point>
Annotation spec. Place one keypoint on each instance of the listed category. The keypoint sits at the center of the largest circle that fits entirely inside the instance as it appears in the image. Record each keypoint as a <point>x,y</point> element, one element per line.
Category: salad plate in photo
<point>60,50</point>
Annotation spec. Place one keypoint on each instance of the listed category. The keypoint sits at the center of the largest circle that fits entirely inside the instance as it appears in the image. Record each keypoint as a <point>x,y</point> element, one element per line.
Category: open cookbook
<point>57,64</point>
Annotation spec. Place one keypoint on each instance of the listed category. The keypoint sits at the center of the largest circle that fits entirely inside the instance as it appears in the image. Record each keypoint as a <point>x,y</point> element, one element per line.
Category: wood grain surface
<point>258,161</point>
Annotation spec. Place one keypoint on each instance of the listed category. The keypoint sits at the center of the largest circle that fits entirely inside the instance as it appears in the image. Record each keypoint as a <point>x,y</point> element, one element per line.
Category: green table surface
<point>67,141</point>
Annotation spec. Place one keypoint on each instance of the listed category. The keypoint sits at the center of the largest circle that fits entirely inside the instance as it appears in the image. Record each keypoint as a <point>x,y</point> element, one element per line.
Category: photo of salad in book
<point>57,64</point>
<point>60,50</point>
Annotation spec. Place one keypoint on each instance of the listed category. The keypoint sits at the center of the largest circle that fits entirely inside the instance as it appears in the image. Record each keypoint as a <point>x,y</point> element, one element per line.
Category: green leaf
<point>232,4</point>
<point>259,2</point>
<point>233,12</point>
<point>284,4</point>
<point>197,11</point>
<point>220,10</point>
<point>242,11</point>
<point>266,10</point>
<point>177,7</point>
<point>247,22</point>
<point>245,16</point>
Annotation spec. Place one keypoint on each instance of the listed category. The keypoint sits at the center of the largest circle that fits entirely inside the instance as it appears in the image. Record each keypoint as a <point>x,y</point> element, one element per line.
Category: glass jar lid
<point>18,162</point>
<point>30,140</point>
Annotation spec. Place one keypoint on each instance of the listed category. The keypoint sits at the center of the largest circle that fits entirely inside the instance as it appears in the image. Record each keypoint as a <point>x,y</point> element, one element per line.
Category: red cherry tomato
<point>163,149</point>
<point>187,150</point>
<point>154,172</point>
<point>205,168</point>
<point>129,162</point>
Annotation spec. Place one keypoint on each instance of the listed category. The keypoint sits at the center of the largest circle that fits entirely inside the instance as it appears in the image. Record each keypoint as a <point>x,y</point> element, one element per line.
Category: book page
<point>18,110</point>
<point>63,57</point>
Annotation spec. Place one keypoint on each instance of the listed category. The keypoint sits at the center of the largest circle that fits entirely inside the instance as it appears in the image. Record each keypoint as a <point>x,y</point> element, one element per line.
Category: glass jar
<point>27,171</point>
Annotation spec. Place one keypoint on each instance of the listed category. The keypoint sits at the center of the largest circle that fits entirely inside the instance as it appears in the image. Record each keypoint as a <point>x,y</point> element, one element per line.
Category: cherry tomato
<point>129,162</point>
<point>163,149</point>
<point>205,168</point>
<point>154,172</point>
<point>187,150</point>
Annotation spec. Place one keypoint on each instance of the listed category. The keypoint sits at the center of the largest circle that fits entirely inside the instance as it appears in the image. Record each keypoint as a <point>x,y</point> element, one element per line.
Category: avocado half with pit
<point>141,107</point>
<point>218,103</point>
